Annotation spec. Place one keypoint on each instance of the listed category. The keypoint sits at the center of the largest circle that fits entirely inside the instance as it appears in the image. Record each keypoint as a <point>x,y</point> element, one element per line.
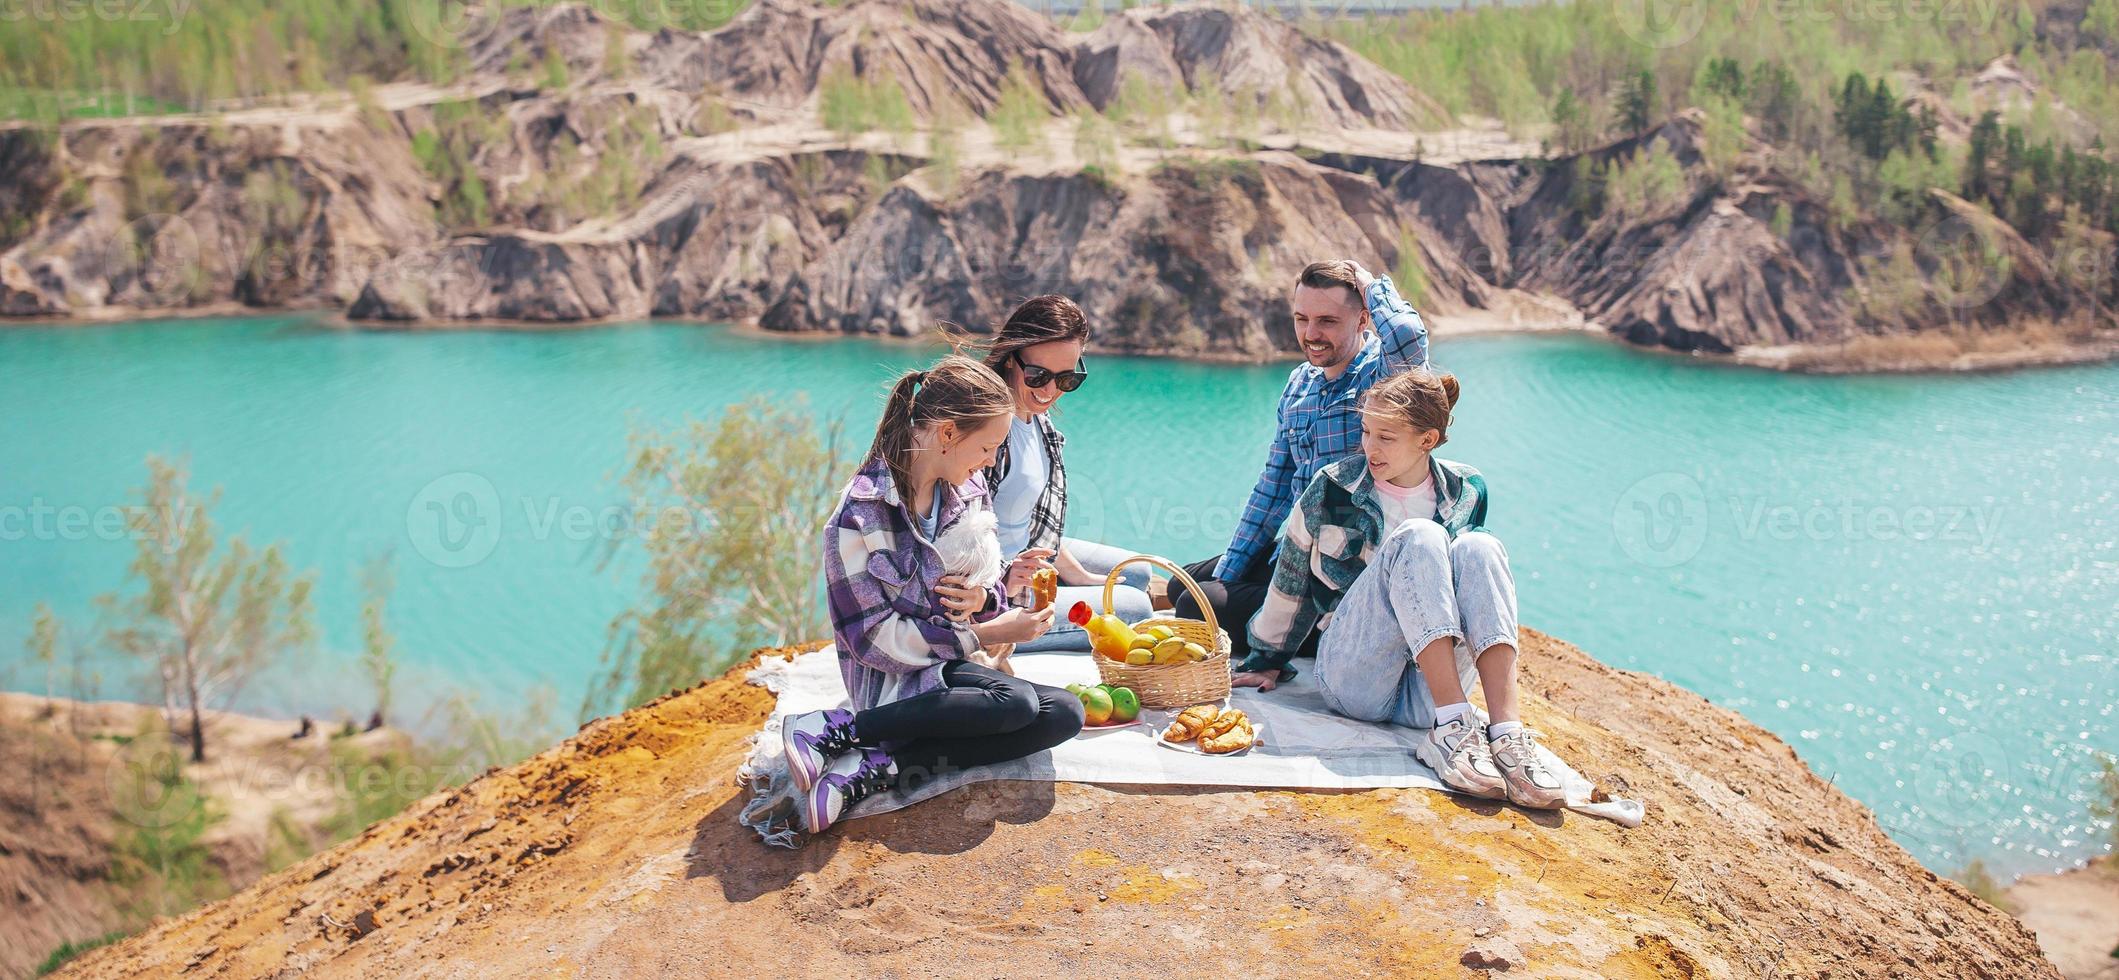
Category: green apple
<point>1125,705</point>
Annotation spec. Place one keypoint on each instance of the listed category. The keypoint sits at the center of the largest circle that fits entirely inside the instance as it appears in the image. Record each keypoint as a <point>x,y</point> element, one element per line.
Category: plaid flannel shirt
<point>891,632</point>
<point>1048,519</point>
<point>1320,422</point>
<point>1337,527</point>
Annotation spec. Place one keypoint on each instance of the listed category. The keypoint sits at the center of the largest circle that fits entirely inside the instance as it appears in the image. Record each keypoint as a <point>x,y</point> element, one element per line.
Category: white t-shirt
<point>1018,493</point>
<point>1401,504</point>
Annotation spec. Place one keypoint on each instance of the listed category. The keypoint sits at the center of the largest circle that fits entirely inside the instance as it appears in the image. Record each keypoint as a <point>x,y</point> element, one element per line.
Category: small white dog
<point>971,548</point>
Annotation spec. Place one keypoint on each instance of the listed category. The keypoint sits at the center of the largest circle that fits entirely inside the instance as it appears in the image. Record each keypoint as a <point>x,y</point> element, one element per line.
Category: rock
<point>1217,283</point>
<point>1493,953</point>
<point>941,53</point>
<point>623,195</point>
<point>1261,61</point>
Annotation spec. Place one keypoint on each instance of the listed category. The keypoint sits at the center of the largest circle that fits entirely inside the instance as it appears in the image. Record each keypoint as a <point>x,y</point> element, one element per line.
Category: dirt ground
<point>617,853</point>
<point>62,807</point>
<point>2076,917</point>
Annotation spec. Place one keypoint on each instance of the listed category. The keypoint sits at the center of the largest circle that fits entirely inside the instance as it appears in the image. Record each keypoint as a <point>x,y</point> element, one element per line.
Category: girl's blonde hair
<point>956,389</point>
<point>1420,398</point>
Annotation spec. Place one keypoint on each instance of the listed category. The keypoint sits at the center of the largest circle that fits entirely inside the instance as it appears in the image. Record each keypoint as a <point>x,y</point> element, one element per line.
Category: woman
<point>1388,547</point>
<point>925,698</point>
<point>1038,351</point>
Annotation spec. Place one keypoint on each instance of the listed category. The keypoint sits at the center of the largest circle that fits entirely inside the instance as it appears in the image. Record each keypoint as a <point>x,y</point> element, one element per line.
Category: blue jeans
<point>1421,587</point>
<point>1129,601</point>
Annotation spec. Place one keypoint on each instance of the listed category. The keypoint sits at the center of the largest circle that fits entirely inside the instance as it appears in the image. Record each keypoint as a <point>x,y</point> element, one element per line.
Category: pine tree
<point>1979,154</point>
<point>1637,102</point>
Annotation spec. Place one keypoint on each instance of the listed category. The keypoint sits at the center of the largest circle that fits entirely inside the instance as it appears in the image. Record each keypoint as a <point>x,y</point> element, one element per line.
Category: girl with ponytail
<point>1389,549</point>
<point>911,638</point>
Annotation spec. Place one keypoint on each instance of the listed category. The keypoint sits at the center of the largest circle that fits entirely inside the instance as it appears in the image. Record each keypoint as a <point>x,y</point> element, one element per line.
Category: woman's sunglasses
<point>1037,377</point>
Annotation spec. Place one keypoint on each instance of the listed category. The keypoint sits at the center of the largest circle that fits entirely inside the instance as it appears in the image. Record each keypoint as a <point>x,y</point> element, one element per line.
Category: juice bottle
<point>1108,635</point>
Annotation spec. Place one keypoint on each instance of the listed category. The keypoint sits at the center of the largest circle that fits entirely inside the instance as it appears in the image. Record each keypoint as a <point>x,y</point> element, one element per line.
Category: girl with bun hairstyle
<point>1389,549</point>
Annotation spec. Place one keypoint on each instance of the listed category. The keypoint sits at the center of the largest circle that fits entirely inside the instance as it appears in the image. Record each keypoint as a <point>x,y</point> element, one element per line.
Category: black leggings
<point>981,716</point>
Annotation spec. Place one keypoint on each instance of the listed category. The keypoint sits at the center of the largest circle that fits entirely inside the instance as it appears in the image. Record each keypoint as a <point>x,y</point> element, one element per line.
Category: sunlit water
<point>1913,580</point>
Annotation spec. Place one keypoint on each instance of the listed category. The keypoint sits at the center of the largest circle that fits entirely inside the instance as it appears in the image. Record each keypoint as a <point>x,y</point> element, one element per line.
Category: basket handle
<point>1206,609</point>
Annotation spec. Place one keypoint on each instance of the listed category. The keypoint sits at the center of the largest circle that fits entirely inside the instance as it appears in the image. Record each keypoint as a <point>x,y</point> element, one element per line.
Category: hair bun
<point>1449,388</point>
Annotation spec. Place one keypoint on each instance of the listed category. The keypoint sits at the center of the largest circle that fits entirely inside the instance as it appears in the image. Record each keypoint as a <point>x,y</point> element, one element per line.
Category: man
<point>1353,330</point>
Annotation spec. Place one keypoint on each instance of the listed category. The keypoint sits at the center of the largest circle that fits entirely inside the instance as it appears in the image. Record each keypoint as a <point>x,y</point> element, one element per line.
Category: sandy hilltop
<point>617,853</point>
<point>582,171</point>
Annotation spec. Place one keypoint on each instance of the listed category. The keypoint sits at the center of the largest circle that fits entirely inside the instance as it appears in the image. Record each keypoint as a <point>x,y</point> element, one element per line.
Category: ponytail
<point>956,389</point>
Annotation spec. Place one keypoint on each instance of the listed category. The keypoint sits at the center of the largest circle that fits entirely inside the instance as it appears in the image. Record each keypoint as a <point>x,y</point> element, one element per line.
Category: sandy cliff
<point>617,853</point>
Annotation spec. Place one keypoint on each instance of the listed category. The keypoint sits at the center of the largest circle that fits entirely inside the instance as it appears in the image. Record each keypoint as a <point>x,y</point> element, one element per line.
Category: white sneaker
<point>1457,752</point>
<point>1529,782</point>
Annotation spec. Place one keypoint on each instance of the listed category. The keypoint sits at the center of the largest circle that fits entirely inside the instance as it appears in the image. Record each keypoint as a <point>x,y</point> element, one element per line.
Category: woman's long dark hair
<point>1039,320</point>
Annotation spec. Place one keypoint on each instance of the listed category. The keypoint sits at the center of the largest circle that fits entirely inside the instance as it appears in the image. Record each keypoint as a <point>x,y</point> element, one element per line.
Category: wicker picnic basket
<point>1172,685</point>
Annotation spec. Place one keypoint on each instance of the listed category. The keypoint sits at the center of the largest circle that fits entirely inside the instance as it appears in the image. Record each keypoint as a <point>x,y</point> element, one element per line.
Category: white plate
<point>1092,729</point>
<point>1258,735</point>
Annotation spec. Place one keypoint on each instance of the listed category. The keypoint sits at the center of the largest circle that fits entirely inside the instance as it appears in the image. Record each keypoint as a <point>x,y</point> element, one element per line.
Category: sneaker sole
<point>1422,751</point>
<point>1557,802</point>
<point>798,762</point>
<point>813,813</point>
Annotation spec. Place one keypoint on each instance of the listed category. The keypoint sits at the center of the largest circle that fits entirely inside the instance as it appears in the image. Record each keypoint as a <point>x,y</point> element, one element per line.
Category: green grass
<point>180,56</point>
<point>1019,117</point>
<point>68,951</point>
<point>850,105</point>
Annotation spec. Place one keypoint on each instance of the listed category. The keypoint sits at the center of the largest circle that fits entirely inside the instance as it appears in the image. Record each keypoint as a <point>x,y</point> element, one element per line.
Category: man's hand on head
<point>1362,273</point>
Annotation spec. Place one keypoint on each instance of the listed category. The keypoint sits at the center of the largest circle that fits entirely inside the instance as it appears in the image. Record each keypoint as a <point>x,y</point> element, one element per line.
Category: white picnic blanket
<point>1302,745</point>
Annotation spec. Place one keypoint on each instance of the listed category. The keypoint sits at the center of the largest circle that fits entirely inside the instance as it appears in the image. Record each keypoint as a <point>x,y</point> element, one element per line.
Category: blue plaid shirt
<point>1320,422</point>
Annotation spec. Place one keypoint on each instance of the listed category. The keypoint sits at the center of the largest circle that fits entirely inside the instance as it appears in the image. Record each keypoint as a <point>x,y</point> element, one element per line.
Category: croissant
<point>1223,722</point>
<point>1235,737</point>
<point>1044,585</point>
<point>1188,723</point>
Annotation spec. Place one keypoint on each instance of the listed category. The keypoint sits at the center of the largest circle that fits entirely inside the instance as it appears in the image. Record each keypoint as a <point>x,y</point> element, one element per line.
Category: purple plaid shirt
<point>1320,422</point>
<point>879,575</point>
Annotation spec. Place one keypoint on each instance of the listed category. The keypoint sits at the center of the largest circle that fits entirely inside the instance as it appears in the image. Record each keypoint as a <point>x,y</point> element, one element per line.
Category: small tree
<point>378,647</point>
<point>43,648</point>
<point>205,622</point>
<point>1637,102</point>
<point>1574,122</point>
<point>2105,804</point>
<point>731,516</point>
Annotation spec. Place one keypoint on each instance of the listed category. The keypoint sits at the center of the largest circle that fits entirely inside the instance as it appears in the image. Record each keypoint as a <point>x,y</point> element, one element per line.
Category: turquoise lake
<point>1914,580</point>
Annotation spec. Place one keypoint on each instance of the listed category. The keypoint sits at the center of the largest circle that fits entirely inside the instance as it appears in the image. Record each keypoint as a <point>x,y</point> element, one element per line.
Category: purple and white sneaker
<point>812,740</point>
<point>851,778</point>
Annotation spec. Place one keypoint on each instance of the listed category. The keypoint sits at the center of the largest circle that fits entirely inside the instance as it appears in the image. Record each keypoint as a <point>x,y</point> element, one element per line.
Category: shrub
<point>1648,180</point>
<point>1019,116</point>
<point>851,105</point>
<point>732,514</point>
